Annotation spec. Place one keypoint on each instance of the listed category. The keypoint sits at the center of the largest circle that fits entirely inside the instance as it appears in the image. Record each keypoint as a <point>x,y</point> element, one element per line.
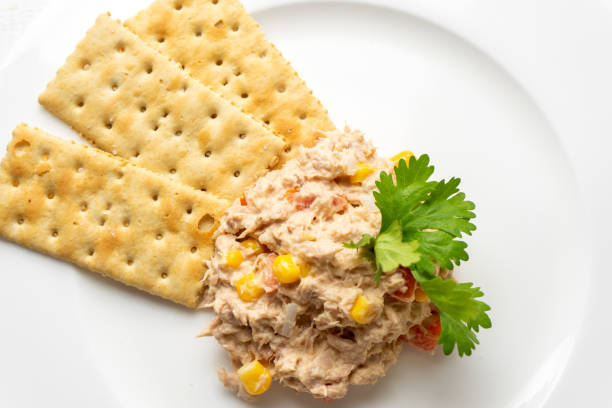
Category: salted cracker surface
<point>223,47</point>
<point>129,100</point>
<point>105,214</point>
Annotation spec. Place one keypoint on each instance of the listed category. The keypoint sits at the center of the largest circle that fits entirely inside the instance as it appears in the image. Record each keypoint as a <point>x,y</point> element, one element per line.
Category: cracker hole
<point>238,73</point>
<point>80,102</point>
<point>267,121</point>
<point>302,115</point>
<point>235,27</point>
<point>185,87</point>
<point>244,95</point>
<point>178,5</point>
<point>120,47</point>
<point>90,251</point>
<point>83,206</point>
<point>109,124</point>
<point>109,206</point>
<point>54,233</point>
<point>183,67</point>
<point>119,176</point>
<point>281,88</point>
<point>15,183</point>
<point>225,82</point>
<point>287,149</point>
<point>136,154</point>
<point>155,196</point>
<point>203,189</point>
<point>172,171</point>
<point>45,155</point>
<point>155,127</point>
<point>114,86</point>
<point>237,173</point>
<point>178,132</point>
<point>143,108</point>
<point>193,250</point>
<point>21,147</point>
<point>219,62</point>
<point>219,24</point>
<point>263,53</point>
<point>130,261</point>
<point>126,222</point>
<point>189,210</point>
<point>51,196</point>
<point>166,113</point>
<point>159,236</point>
<point>164,275</point>
<point>20,220</point>
<point>102,221</point>
<point>213,115</point>
<point>215,1</point>
<point>161,39</point>
<point>149,68</point>
<point>207,153</point>
<point>198,32</point>
<point>206,223</point>
<point>85,65</point>
<point>242,135</point>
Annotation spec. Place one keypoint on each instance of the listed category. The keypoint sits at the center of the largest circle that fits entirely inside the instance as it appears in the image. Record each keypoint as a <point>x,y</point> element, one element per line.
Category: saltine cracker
<point>129,100</point>
<point>106,214</point>
<point>223,47</point>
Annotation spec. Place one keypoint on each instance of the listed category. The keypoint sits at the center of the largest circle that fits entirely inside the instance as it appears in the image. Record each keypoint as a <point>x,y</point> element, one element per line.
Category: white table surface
<point>15,15</point>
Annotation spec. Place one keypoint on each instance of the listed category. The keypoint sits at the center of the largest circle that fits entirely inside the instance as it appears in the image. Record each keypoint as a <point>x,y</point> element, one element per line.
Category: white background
<point>15,15</point>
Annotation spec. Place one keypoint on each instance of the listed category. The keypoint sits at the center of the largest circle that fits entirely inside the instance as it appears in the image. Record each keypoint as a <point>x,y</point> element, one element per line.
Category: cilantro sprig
<point>422,223</point>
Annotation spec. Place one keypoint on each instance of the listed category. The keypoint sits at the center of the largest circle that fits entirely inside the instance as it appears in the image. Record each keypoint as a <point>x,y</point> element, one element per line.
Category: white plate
<point>514,98</point>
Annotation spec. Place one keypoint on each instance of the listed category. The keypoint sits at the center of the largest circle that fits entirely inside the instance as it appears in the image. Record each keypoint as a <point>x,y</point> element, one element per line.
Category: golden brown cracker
<point>129,100</point>
<point>223,47</point>
<point>106,214</point>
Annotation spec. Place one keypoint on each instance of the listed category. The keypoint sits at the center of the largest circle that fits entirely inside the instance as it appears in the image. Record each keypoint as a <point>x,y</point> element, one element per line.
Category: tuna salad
<point>295,304</point>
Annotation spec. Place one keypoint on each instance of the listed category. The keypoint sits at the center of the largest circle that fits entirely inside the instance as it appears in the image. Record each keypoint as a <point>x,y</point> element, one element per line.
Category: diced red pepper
<point>339,203</point>
<point>300,203</point>
<point>406,293</point>
<point>243,200</point>
<point>426,335</point>
<point>270,284</point>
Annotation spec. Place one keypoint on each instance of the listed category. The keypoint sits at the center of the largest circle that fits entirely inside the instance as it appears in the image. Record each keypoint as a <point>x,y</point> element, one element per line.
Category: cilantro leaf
<point>432,213</point>
<point>460,312</point>
<point>366,240</point>
<point>440,247</point>
<point>455,332</point>
<point>445,209</point>
<point>391,251</point>
<point>411,189</point>
<point>422,223</point>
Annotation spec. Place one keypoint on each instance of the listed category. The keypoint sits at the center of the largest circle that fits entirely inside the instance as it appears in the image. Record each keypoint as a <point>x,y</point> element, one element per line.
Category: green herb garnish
<point>422,223</point>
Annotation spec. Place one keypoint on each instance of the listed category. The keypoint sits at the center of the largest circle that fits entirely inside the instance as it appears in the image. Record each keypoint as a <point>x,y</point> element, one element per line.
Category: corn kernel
<point>363,171</point>
<point>234,258</point>
<point>406,155</point>
<point>362,311</point>
<point>420,295</point>
<point>285,270</point>
<point>249,287</point>
<point>255,378</point>
<point>253,245</point>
